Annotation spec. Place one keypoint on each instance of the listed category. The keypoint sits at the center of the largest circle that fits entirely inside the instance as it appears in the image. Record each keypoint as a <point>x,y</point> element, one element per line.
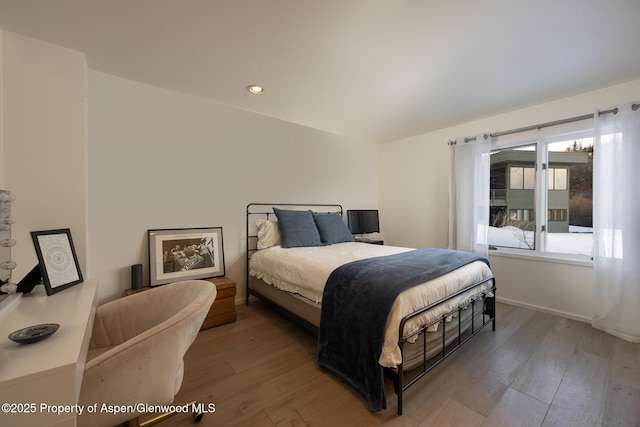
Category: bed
<point>302,260</point>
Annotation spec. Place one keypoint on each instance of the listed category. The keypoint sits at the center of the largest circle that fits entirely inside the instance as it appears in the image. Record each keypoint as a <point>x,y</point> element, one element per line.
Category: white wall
<point>44,157</point>
<point>159,159</point>
<point>154,159</point>
<point>414,201</point>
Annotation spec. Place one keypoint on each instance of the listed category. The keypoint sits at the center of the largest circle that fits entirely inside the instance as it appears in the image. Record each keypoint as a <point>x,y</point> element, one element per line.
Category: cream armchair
<point>137,348</point>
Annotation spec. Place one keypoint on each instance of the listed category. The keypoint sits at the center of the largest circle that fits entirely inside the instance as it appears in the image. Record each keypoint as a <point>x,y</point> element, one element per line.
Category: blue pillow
<point>332,228</point>
<point>297,228</point>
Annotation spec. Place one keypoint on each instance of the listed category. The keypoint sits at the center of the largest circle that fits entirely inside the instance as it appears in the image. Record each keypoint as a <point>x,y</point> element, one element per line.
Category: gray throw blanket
<point>356,302</point>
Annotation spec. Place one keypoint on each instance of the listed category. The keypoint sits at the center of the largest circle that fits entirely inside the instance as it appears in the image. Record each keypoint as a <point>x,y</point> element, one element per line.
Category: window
<point>512,218</point>
<point>569,196</point>
<point>557,215</point>
<point>522,214</point>
<point>522,178</point>
<point>557,179</point>
<point>557,220</point>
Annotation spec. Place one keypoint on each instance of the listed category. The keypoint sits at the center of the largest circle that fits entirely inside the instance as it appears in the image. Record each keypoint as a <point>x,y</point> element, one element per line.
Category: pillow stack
<point>296,229</point>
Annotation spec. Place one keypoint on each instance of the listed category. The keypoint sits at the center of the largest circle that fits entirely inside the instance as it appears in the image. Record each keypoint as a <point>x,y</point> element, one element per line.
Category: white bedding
<point>304,271</point>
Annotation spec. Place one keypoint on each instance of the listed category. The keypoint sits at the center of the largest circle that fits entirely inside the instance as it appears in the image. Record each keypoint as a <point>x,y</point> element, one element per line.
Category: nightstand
<point>372,241</point>
<point>223,309</point>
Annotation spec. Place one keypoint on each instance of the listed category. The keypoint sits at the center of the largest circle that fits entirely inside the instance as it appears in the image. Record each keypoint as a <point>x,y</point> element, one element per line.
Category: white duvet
<point>304,271</point>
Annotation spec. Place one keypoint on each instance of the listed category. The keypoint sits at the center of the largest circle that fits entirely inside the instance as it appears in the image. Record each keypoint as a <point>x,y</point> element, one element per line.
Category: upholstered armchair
<point>137,348</point>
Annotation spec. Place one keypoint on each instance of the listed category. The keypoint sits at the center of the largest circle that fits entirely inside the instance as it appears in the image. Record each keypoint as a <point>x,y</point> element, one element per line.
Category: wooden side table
<point>223,309</point>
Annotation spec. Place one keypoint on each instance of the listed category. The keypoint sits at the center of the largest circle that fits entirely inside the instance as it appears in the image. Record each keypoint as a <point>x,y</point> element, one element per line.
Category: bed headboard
<point>257,211</point>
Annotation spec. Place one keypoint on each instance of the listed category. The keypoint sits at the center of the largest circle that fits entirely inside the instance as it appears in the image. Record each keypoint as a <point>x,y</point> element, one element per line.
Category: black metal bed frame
<point>397,376</point>
<point>488,305</point>
<point>265,210</point>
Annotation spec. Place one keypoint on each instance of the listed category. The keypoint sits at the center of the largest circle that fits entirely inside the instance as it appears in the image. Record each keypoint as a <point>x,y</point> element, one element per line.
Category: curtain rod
<point>546,124</point>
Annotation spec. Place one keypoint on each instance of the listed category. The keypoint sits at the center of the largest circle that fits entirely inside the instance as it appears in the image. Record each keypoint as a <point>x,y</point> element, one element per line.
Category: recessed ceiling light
<point>256,89</point>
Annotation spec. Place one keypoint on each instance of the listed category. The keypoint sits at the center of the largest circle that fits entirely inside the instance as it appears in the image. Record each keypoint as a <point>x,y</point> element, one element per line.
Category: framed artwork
<point>57,259</point>
<point>185,253</point>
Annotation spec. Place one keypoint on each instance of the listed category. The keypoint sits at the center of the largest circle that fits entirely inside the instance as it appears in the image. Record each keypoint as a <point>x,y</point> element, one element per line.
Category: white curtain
<point>469,195</point>
<point>616,223</point>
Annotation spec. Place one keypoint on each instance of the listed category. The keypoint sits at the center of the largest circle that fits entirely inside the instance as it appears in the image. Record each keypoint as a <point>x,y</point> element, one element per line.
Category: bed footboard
<point>485,303</point>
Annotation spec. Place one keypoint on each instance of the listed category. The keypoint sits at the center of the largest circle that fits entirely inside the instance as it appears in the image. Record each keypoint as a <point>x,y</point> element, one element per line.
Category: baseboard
<point>545,310</point>
<point>626,337</point>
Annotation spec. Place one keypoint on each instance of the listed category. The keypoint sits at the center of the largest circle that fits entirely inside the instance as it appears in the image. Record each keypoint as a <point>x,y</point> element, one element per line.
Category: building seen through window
<point>565,169</point>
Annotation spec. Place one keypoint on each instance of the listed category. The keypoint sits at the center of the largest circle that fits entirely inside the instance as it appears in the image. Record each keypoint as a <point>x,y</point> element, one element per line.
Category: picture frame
<point>185,254</point>
<point>57,259</point>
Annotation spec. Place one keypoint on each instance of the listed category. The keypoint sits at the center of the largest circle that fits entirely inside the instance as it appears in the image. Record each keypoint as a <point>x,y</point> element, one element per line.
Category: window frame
<point>540,251</point>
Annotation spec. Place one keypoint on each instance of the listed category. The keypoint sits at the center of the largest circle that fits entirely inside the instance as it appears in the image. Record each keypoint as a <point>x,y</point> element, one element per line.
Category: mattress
<point>304,271</point>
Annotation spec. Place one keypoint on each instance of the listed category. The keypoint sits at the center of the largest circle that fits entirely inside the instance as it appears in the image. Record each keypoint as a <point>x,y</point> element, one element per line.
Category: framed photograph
<point>57,259</point>
<point>185,253</point>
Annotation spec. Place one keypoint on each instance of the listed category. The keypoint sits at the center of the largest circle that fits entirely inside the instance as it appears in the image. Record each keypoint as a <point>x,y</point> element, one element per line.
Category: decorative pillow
<point>332,228</point>
<point>268,234</point>
<point>297,228</point>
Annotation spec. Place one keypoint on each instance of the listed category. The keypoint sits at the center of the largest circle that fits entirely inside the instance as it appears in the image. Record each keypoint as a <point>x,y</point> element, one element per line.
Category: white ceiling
<point>374,70</point>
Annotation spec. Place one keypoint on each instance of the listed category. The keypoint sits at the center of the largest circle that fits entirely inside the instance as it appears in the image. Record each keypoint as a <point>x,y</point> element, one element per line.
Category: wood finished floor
<point>534,370</point>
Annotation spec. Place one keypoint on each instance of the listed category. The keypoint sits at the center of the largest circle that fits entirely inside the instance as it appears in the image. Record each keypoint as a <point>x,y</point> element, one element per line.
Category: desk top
<point>73,309</point>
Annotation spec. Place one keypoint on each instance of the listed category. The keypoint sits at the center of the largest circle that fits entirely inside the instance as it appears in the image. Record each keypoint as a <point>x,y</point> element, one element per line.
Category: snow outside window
<point>555,220</point>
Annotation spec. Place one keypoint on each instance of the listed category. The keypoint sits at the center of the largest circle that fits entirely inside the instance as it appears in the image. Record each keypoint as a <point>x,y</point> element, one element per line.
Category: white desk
<point>48,372</point>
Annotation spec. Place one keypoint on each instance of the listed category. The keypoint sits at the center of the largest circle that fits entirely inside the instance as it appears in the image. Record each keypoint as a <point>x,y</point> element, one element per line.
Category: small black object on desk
<point>29,281</point>
<point>34,333</point>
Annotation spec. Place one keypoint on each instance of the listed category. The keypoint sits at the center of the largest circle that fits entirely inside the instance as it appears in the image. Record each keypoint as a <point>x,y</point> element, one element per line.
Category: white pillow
<point>268,233</point>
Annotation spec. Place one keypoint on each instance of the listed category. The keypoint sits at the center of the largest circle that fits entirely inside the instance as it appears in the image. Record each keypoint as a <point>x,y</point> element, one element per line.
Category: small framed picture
<point>57,259</point>
<point>185,253</point>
